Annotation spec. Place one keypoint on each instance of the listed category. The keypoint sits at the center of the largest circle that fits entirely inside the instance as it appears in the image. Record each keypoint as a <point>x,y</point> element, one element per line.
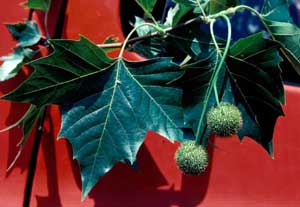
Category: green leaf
<point>147,6</point>
<point>256,82</point>
<point>175,14</point>
<point>13,62</point>
<point>27,34</point>
<point>183,41</point>
<point>216,6</point>
<point>277,10</point>
<point>198,96</point>
<point>110,126</point>
<point>282,29</point>
<point>73,71</point>
<point>253,49</point>
<point>116,102</point>
<point>144,30</point>
<point>251,79</point>
<point>38,4</point>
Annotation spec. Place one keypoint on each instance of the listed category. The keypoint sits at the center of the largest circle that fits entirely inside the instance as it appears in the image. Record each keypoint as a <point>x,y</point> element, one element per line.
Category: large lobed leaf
<point>58,80</point>
<point>110,126</point>
<point>107,105</point>
<point>257,86</point>
<point>251,79</point>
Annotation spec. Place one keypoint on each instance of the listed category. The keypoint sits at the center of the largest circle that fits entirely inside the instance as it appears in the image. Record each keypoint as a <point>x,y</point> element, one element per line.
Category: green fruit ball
<point>191,159</point>
<point>224,120</point>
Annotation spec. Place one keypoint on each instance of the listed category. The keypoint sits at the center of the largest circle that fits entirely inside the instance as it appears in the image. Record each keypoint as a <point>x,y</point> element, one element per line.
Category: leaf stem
<point>201,8</point>
<point>218,53</point>
<point>216,94</point>
<point>214,76</point>
<point>226,50</point>
<point>160,31</point>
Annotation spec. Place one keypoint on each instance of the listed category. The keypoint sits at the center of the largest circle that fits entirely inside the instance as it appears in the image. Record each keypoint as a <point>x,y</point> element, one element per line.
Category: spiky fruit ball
<point>225,119</point>
<point>191,159</point>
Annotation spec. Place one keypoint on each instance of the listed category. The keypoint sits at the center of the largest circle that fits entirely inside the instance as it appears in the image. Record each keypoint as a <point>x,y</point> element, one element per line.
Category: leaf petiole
<point>215,75</point>
<point>159,29</point>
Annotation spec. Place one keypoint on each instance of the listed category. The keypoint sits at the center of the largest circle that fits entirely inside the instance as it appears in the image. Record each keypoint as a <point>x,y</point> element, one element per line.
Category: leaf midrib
<point>106,120</point>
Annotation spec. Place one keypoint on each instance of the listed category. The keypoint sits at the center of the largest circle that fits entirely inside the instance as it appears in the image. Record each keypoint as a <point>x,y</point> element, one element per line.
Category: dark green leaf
<point>256,83</point>
<point>198,96</point>
<point>38,4</point>
<point>250,79</point>
<point>282,29</point>
<point>110,126</point>
<point>216,6</point>
<point>183,41</point>
<point>253,49</point>
<point>73,71</point>
<point>12,63</point>
<point>108,99</point>
<point>27,34</point>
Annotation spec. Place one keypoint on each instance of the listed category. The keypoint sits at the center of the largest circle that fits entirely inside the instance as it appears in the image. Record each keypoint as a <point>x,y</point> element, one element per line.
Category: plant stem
<point>154,34</point>
<point>223,57</point>
<point>216,94</point>
<point>201,8</point>
<point>218,53</point>
<point>213,37</point>
<point>214,79</point>
<point>160,31</point>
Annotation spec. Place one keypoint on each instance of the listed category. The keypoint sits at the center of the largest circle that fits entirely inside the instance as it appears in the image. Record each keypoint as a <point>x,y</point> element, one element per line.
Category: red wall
<point>239,174</point>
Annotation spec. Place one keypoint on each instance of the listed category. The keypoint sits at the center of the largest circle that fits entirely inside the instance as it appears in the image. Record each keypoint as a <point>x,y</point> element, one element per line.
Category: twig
<point>154,34</point>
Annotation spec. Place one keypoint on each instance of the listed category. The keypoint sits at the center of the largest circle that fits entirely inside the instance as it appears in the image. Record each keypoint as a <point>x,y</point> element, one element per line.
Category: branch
<point>154,34</point>
<point>43,40</point>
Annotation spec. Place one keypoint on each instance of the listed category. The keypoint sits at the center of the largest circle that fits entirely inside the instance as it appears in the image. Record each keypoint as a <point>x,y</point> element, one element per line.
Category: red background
<point>240,174</point>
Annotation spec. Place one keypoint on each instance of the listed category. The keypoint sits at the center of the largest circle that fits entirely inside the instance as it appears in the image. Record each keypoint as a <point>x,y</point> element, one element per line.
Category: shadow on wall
<point>147,185</point>
<point>16,111</point>
<point>156,182</point>
<point>48,148</point>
